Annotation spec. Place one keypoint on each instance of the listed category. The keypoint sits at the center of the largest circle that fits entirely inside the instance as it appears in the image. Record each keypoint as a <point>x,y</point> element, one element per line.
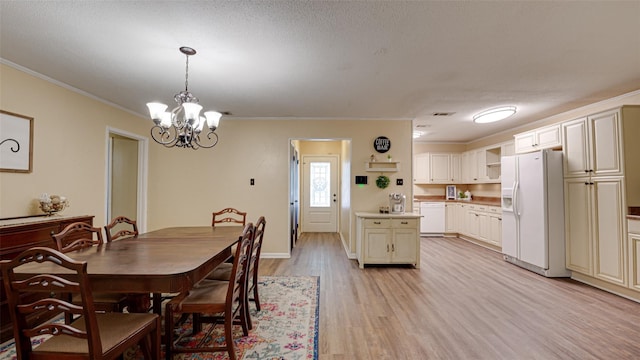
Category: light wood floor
<point>464,302</point>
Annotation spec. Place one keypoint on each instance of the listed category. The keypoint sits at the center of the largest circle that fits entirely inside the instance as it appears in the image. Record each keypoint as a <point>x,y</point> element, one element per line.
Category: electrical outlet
<point>399,182</point>
<point>252,182</point>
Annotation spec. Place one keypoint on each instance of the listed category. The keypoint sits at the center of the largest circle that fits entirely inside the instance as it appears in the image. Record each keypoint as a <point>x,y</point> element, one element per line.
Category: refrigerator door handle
<point>516,207</point>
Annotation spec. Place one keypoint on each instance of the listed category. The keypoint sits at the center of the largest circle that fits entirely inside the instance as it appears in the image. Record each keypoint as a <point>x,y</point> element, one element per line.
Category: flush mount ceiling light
<point>417,134</point>
<point>182,126</point>
<point>495,114</point>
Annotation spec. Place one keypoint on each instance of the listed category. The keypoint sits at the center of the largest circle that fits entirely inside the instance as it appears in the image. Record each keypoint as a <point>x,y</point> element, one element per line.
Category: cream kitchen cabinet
<point>601,171</point>
<point>634,252</point>
<point>481,223</point>
<point>421,168</point>
<point>583,155</point>
<point>594,228</point>
<point>388,239</point>
<point>474,166</point>
<point>443,168</point>
<point>451,221</point>
<point>538,139</point>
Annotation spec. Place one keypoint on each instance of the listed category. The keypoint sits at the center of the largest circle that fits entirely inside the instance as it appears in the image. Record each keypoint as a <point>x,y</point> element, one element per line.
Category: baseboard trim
<point>608,287</point>
<point>275,255</point>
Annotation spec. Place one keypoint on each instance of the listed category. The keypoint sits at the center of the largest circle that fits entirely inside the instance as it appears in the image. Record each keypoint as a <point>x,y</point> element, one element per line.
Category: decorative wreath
<point>382,181</point>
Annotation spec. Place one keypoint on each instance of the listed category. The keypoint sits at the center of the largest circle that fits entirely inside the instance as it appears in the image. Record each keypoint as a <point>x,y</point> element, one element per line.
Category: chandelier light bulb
<point>191,112</point>
<point>213,119</point>
<point>156,110</point>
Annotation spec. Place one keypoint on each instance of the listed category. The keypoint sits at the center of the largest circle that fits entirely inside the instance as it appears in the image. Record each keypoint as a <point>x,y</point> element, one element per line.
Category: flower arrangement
<point>52,204</point>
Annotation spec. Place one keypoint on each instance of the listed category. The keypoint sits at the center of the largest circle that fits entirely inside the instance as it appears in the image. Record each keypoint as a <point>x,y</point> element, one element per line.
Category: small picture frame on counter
<point>451,192</point>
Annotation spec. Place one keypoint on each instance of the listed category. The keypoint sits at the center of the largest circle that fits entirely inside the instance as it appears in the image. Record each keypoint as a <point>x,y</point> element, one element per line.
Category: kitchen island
<point>388,238</point>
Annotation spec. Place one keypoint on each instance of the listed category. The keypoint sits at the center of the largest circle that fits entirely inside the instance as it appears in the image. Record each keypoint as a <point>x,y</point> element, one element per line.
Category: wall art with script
<point>16,142</point>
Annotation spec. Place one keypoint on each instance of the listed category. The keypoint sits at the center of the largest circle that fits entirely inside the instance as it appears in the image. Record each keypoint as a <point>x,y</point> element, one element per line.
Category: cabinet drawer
<point>405,223</point>
<point>377,223</point>
<point>494,210</point>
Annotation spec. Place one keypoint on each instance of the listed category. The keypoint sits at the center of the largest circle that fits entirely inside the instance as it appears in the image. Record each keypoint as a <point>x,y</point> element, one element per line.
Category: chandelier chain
<point>186,76</point>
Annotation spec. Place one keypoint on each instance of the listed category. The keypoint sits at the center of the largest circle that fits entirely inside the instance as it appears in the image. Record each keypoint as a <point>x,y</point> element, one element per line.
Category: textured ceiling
<point>337,59</point>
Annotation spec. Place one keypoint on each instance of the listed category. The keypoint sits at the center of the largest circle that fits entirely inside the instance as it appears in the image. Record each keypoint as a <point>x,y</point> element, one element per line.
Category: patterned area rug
<point>285,328</point>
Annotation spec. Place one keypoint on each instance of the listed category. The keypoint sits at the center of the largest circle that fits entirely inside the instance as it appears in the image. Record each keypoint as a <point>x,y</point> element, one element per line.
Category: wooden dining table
<point>169,260</point>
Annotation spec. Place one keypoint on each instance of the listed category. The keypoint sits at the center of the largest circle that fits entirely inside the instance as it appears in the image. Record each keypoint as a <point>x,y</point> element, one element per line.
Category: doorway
<point>294,196</point>
<point>126,176</point>
<point>320,193</point>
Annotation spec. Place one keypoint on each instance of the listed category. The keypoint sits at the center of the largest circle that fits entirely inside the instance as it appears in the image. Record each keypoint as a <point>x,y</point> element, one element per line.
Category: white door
<point>320,193</point>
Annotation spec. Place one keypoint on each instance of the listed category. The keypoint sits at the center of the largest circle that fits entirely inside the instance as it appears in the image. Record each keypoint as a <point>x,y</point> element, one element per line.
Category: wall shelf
<point>382,166</point>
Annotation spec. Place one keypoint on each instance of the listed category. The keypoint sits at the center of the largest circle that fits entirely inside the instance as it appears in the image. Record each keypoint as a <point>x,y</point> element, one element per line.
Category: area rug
<point>286,327</point>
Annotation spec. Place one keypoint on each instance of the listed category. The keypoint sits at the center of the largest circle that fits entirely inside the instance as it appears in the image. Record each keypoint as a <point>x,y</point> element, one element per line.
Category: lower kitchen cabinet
<point>481,223</point>
<point>388,239</point>
<point>594,223</point>
<point>634,251</point>
<point>451,223</point>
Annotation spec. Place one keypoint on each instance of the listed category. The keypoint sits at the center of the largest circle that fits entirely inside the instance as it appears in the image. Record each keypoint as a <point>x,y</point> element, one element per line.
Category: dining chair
<point>92,336</point>
<point>214,297</point>
<point>77,236</point>
<point>229,215</point>
<point>223,271</point>
<point>121,227</point>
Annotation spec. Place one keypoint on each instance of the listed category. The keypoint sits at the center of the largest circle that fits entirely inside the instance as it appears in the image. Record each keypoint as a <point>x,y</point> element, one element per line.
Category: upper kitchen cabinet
<point>421,168</point>
<point>436,168</point>
<point>592,145</point>
<point>444,168</point>
<point>543,138</point>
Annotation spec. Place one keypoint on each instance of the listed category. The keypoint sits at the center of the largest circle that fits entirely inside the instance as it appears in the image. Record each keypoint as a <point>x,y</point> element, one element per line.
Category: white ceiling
<point>337,59</point>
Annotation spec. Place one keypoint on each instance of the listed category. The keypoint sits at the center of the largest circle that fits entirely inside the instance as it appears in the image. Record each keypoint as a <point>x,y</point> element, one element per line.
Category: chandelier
<point>183,126</point>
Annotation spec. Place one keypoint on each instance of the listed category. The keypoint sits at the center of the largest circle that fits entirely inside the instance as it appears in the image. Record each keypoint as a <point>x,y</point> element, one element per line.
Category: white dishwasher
<point>432,221</point>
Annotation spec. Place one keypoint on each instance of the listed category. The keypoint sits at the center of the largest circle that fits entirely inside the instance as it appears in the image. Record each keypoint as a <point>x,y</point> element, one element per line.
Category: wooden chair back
<point>252,277</point>
<point>121,227</point>
<point>43,283</point>
<point>229,215</point>
<point>93,336</point>
<point>205,299</point>
<point>77,236</point>
<point>239,273</point>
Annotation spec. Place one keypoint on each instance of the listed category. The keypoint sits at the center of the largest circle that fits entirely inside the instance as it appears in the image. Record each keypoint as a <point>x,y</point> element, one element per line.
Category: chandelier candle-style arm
<point>182,126</point>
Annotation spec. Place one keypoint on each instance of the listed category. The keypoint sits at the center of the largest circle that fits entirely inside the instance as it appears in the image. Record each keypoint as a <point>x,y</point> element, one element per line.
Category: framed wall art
<point>16,142</point>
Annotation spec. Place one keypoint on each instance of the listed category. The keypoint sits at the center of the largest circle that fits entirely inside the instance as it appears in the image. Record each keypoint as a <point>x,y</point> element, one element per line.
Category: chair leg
<point>245,314</point>
<point>256,299</point>
<point>228,337</point>
<point>146,347</point>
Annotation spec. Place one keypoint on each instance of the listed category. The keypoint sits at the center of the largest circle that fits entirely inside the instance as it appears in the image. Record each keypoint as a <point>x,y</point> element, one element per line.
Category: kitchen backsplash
<point>482,190</point>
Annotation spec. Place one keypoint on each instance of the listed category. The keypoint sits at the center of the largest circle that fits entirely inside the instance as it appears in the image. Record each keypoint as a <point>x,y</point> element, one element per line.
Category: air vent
<point>443,113</point>
<point>423,126</point>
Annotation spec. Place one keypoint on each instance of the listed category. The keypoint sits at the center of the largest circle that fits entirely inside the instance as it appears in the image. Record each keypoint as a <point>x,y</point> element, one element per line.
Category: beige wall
<point>259,149</point>
<point>69,145</point>
<point>184,186</point>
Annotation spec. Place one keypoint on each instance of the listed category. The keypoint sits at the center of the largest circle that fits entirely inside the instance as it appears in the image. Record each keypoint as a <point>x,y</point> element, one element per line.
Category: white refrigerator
<point>533,212</point>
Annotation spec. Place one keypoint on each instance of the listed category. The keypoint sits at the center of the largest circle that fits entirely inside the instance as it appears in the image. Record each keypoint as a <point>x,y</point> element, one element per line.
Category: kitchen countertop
<point>386,216</point>
<point>480,200</point>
